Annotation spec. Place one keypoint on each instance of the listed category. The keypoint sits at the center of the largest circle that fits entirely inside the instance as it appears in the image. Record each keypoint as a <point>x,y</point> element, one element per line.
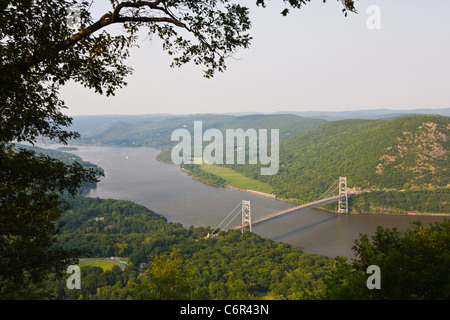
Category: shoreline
<point>272,196</point>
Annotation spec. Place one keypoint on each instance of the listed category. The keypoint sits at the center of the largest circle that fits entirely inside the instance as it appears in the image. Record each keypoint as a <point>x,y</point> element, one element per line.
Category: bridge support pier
<point>246,214</point>
<point>343,200</point>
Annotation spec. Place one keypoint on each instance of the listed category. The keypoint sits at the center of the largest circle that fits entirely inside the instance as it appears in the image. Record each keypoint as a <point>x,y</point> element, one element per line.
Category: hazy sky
<point>313,59</point>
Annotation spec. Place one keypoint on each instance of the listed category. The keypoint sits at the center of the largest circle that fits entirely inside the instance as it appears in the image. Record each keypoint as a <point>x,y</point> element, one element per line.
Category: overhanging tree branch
<point>106,20</point>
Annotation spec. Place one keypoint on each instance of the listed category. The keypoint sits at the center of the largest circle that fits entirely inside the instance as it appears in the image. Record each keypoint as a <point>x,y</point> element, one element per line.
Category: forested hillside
<point>62,155</point>
<point>407,153</point>
<point>180,262</point>
<point>393,201</point>
<point>69,159</point>
<point>167,261</point>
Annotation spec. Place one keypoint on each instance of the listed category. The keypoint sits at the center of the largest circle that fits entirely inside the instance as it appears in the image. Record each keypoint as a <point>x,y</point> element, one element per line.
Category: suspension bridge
<point>252,216</point>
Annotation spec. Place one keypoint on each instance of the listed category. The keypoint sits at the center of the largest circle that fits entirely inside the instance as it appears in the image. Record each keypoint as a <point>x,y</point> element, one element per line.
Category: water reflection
<point>301,229</point>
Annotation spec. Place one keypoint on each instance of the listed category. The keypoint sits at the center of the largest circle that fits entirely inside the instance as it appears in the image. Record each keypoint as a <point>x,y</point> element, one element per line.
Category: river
<point>135,174</point>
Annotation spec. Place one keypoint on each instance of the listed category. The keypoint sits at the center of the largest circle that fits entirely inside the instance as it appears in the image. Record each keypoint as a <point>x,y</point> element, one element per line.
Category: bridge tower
<point>246,214</point>
<point>343,202</point>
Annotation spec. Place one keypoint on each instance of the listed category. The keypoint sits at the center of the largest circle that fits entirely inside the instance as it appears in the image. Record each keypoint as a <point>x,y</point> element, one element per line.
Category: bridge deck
<point>286,212</point>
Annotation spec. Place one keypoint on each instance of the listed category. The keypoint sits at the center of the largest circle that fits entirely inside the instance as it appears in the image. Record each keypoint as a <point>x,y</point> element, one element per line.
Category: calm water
<point>134,174</point>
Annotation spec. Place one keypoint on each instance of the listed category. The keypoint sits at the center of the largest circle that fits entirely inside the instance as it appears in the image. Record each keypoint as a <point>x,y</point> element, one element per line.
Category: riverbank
<point>425,214</point>
<point>227,185</point>
<point>272,196</point>
<point>236,179</point>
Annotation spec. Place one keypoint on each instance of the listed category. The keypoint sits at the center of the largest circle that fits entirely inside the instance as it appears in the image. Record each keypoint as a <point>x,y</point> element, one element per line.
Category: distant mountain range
<point>155,131</point>
<point>89,123</point>
<point>368,114</point>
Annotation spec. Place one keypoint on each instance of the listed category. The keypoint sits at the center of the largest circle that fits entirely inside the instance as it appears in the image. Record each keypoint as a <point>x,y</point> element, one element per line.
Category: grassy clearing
<point>105,265</point>
<point>236,179</point>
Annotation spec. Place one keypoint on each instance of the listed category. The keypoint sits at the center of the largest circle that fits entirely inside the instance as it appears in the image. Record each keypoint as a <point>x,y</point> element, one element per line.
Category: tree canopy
<point>413,265</point>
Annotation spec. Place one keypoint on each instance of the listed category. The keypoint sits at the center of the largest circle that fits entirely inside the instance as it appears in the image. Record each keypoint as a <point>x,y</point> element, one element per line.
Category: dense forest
<point>405,153</point>
<point>60,154</point>
<point>392,201</point>
<point>167,261</point>
<point>230,266</point>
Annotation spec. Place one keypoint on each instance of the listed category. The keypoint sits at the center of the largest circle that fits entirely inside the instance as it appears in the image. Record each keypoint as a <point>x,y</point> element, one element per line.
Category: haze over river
<point>134,174</point>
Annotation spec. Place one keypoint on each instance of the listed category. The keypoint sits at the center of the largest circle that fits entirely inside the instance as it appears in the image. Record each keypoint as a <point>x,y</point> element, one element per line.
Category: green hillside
<point>407,153</point>
<point>69,159</point>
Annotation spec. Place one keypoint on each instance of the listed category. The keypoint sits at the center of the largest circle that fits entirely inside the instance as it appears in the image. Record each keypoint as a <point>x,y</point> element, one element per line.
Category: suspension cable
<point>329,189</point>
<point>228,216</point>
<point>232,219</point>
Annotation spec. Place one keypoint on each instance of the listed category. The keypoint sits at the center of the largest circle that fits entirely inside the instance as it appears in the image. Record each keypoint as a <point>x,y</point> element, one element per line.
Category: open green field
<point>105,265</point>
<point>236,179</point>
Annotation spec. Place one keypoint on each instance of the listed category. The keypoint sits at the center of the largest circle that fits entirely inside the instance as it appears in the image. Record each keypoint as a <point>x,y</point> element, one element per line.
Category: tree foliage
<point>413,265</point>
<point>181,263</point>
<point>30,205</point>
<point>166,278</point>
<point>392,201</point>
